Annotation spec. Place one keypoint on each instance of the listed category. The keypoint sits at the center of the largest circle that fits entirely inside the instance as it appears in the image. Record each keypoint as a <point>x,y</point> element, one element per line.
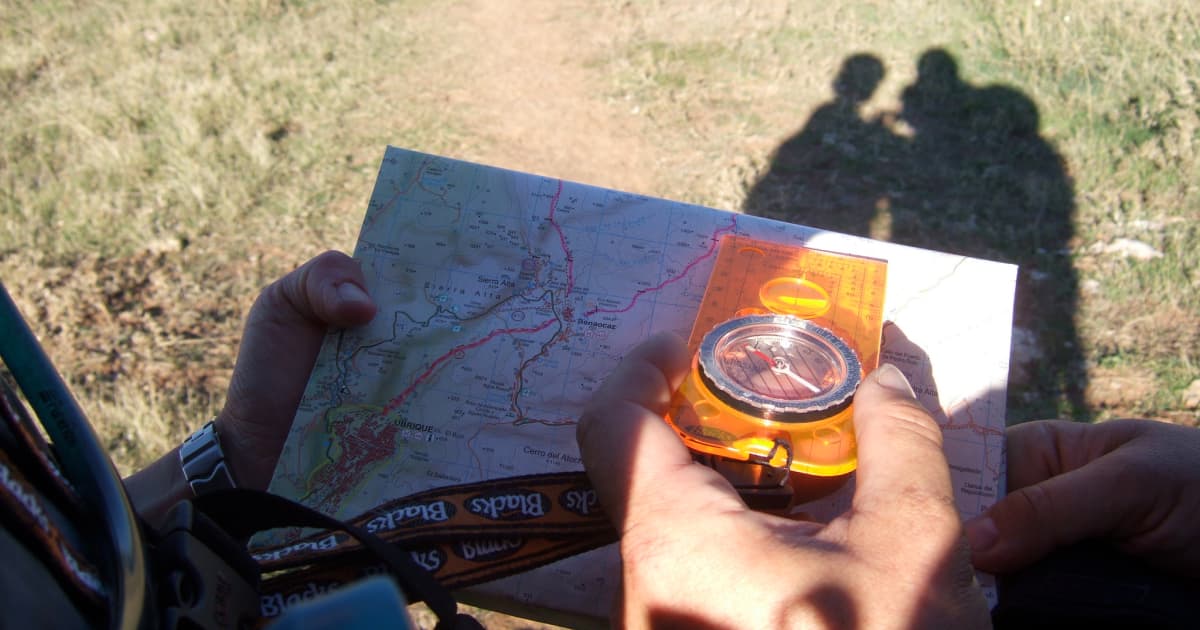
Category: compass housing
<point>779,368</point>
<point>775,390</point>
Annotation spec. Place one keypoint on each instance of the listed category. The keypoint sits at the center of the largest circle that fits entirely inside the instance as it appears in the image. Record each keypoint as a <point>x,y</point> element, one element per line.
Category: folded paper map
<point>506,298</point>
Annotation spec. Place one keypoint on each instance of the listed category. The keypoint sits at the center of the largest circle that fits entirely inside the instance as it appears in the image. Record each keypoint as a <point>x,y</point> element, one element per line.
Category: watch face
<point>779,367</point>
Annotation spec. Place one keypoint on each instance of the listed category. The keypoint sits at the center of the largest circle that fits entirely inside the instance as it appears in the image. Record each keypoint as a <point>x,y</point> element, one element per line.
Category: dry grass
<point>160,161</point>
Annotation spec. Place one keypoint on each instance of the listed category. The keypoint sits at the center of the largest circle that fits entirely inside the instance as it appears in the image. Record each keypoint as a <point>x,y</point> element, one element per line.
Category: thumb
<point>1028,524</point>
<point>327,291</point>
<point>902,470</point>
<point>903,507</point>
<point>283,335</point>
<point>1056,470</point>
<point>287,324</point>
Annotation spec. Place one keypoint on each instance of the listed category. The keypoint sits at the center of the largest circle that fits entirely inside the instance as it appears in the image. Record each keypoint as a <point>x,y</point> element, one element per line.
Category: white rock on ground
<point>1191,395</point>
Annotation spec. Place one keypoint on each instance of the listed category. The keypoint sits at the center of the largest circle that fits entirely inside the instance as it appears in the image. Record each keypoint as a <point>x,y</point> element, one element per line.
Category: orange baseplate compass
<point>783,338</point>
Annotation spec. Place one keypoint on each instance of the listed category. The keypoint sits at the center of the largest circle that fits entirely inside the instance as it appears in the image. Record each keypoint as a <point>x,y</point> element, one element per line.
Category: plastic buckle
<point>203,461</point>
<point>761,485</point>
<point>206,578</point>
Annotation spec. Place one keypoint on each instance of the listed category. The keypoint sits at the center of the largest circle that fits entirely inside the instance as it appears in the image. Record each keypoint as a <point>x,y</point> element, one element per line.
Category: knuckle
<point>270,298</point>
<point>1037,504</point>
<point>285,299</point>
<point>935,512</point>
<point>918,422</point>
<point>910,418</point>
<point>329,256</point>
<point>1036,499</point>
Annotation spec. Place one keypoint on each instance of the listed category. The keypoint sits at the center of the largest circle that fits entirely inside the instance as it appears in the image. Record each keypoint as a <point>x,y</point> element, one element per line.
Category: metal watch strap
<point>203,461</point>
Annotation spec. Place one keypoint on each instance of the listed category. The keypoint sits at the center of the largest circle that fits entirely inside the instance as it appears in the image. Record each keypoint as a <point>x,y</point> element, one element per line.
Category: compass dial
<point>779,367</point>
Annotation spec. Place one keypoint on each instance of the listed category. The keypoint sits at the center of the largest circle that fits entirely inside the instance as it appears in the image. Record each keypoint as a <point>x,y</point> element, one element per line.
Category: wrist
<point>156,488</point>
<point>244,453</point>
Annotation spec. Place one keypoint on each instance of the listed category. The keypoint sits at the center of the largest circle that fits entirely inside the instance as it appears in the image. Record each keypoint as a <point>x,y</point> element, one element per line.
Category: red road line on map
<point>400,192</point>
<point>415,183</point>
<point>970,424</point>
<point>562,238</point>
<point>712,248</point>
<point>973,426</point>
<point>399,400</point>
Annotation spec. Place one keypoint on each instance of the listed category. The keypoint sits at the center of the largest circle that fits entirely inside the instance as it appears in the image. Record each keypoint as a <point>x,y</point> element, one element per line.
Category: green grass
<point>217,144</point>
<point>126,125</point>
<point>160,161</point>
<point>1117,87</point>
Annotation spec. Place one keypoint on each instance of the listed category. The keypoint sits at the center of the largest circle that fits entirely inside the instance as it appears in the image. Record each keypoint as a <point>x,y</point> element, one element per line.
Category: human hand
<point>695,556</point>
<point>283,335</point>
<point>1135,483</point>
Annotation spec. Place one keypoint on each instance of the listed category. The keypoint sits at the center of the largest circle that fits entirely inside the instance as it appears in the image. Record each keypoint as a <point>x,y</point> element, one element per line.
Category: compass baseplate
<point>757,281</point>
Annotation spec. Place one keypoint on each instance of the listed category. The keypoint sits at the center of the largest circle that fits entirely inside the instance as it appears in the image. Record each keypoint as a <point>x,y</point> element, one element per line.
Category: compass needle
<point>770,364</point>
<point>759,353</point>
<point>783,368</point>
<point>811,370</point>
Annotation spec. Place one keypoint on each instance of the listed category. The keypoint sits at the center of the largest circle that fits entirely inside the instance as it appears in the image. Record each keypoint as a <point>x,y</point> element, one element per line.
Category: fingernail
<point>349,293</point>
<point>892,378</point>
<point>981,533</point>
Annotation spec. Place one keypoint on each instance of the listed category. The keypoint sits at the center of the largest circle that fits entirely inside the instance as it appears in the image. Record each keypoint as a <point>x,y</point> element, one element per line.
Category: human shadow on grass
<point>974,177</point>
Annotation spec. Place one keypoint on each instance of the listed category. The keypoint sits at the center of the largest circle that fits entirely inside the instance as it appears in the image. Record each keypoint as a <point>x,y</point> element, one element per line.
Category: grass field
<point>162,160</point>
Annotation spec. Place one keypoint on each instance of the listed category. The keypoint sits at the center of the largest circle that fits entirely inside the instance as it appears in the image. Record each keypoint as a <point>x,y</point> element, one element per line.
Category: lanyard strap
<point>462,535</point>
<point>35,496</point>
<point>455,536</point>
<point>27,516</point>
<point>553,505</point>
<point>453,565</point>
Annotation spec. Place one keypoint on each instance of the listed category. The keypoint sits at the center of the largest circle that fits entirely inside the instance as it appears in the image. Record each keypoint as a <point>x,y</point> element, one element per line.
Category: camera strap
<point>38,506</point>
<point>32,519</point>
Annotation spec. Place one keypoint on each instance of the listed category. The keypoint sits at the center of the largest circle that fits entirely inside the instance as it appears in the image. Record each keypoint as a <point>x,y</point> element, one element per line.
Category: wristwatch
<point>203,461</point>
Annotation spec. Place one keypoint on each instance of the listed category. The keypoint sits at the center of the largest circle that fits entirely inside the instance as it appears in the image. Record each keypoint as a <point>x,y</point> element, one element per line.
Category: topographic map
<point>506,298</point>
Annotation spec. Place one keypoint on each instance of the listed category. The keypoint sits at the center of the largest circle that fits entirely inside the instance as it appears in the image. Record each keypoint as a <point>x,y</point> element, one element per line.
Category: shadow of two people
<point>960,169</point>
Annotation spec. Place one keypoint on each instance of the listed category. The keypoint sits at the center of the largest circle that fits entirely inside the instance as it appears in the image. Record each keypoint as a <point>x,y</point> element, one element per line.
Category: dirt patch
<point>520,78</point>
<point>1121,388</point>
<point>1166,331</point>
<point>146,341</point>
